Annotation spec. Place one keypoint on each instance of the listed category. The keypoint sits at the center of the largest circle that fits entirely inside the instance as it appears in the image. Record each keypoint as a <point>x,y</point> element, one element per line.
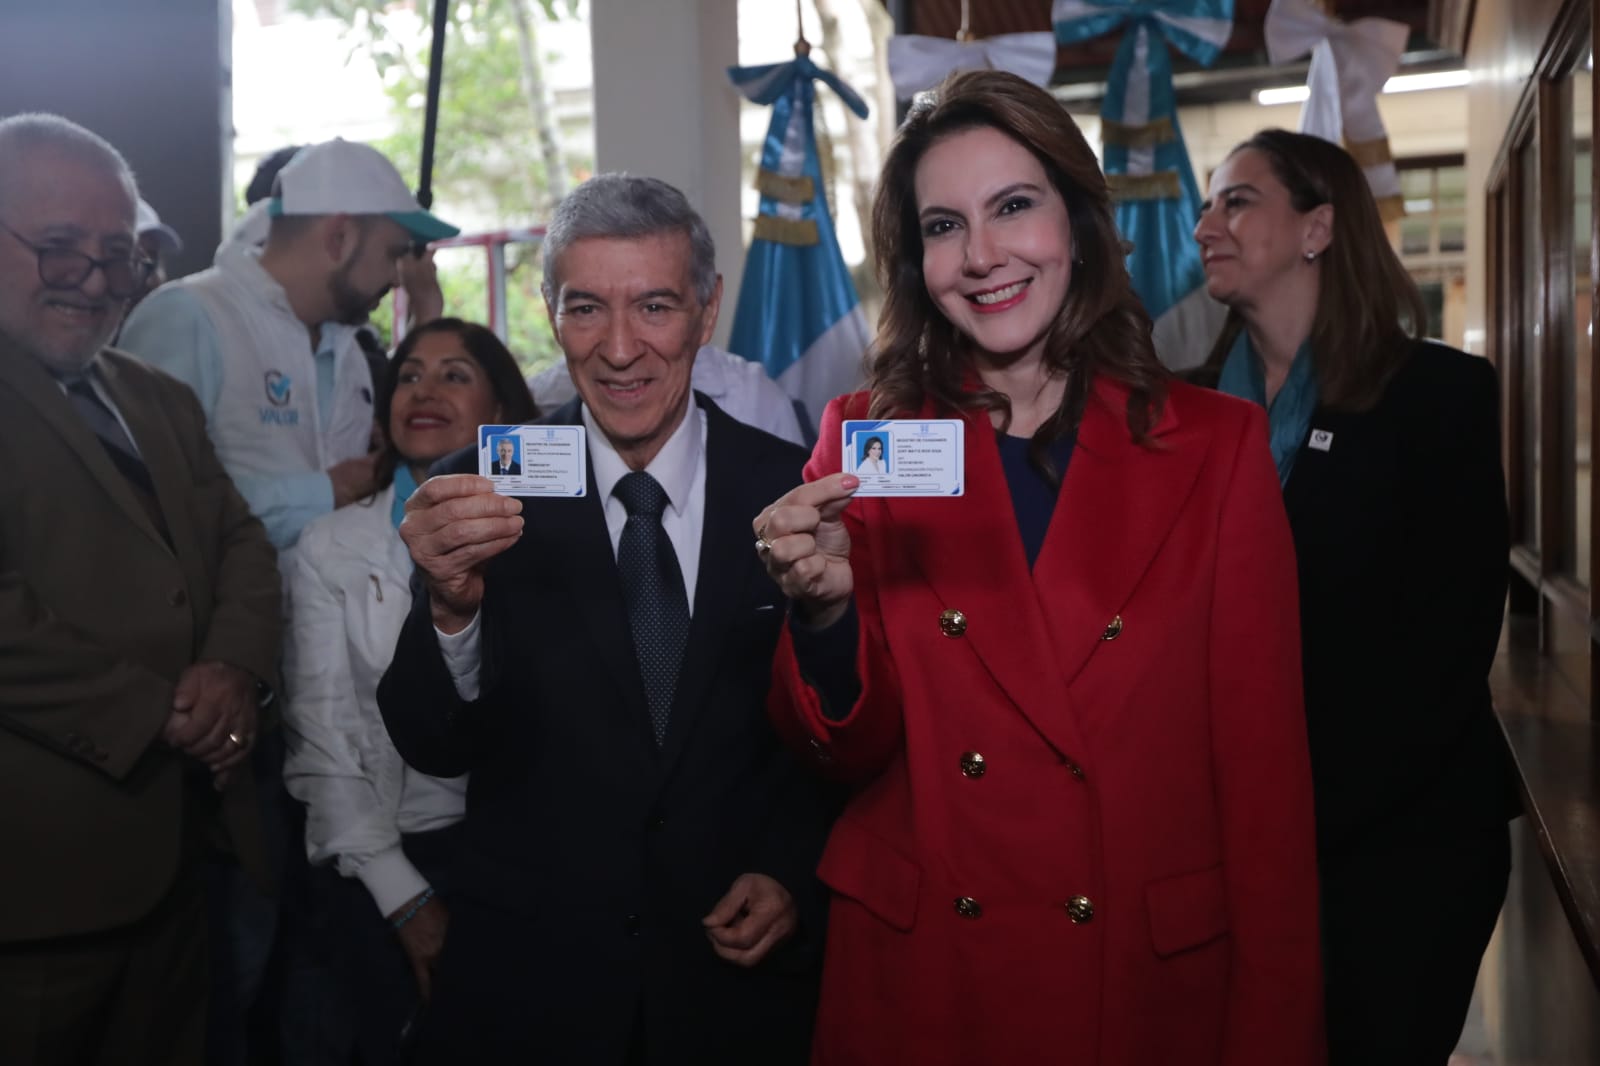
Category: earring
<point>1310,256</point>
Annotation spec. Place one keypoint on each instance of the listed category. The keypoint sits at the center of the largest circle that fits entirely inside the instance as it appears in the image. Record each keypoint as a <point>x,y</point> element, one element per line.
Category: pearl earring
<point>1311,257</point>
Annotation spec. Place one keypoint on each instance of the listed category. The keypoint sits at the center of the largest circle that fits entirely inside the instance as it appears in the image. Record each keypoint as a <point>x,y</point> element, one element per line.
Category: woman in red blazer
<point>1070,699</point>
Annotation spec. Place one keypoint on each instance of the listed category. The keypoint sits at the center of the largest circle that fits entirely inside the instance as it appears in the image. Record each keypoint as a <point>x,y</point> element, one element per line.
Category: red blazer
<point>1131,878</point>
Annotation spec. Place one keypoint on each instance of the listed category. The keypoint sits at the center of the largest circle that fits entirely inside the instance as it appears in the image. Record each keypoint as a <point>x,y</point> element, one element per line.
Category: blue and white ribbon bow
<point>1350,61</point>
<point>798,314</point>
<point>1146,162</point>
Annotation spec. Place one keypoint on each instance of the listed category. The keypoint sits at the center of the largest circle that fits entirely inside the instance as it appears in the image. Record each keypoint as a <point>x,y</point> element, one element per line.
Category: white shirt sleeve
<point>463,654</point>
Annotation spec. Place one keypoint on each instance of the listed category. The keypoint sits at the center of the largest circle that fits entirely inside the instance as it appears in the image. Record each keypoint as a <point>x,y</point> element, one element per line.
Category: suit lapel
<point>169,471</point>
<point>727,565</point>
<point>969,552</point>
<point>1118,503</point>
<point>1035,631</point>
<point>35,384</point>
<point>575,535</point>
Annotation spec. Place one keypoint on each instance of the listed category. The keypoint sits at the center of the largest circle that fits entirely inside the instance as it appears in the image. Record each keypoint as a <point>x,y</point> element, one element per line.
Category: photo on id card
<point>906,457</point>
<point>534,460</point>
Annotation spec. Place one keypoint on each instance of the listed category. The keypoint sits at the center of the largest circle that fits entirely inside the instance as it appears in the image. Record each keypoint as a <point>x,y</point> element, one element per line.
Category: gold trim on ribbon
<point>799,232</point>
<point>1370,153</point>
<point>1391,208</point>
<point>1129,136</point>
<point>797,190</point>
<point>1162,185</point>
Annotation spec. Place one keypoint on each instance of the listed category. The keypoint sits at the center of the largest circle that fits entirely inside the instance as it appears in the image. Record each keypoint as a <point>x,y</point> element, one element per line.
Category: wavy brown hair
<point>1101,328</point>
<point>1368,308</point>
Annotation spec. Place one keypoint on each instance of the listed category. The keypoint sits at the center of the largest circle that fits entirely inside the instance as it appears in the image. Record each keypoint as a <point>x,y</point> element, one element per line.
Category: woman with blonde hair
<point>1069,699</point>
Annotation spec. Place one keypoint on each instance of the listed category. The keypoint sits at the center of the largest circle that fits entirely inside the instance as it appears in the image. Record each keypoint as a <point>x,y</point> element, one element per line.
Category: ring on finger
<point>763,545</point>
<point>238,741</point>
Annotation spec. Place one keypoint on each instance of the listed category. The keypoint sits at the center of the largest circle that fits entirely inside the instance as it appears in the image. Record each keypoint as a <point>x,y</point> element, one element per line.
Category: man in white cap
<point>268,340</point>
<point>156,239</point>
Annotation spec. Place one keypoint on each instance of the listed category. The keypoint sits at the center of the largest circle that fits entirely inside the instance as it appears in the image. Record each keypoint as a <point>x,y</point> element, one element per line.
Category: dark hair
<point>261,182</point>
<point>1368,307</point>
<point>499,366</point>
<point>1101,328</point>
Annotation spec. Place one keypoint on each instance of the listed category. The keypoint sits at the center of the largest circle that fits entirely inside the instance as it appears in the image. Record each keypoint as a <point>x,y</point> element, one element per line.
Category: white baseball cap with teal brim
<point>341,177</point>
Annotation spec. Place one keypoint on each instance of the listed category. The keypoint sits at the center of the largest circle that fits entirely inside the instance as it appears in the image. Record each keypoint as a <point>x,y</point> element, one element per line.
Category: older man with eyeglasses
<point>139,618</point>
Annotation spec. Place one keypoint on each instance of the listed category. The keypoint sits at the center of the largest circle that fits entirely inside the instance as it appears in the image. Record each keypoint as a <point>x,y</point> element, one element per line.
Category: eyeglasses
<point>68,268</point>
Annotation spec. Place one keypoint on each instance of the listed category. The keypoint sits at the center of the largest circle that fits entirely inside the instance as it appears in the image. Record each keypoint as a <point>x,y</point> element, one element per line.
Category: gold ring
<point>236,739</point>
<point>763,545</point>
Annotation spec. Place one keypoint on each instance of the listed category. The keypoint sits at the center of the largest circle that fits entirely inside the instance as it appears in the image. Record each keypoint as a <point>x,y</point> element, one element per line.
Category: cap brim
<point>424,226</point>
<point>165,236</point>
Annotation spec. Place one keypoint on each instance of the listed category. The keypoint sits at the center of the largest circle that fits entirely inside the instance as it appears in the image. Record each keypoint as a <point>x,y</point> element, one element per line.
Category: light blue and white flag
<point>1146,162</point>
<point>798,314</point>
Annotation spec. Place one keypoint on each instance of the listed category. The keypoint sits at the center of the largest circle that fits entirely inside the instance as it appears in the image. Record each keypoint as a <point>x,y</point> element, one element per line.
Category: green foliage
<point>486,153</point>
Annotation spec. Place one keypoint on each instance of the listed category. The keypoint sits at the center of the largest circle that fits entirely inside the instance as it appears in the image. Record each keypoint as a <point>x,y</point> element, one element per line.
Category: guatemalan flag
<point>798,312</point>
<point>1146,162</point>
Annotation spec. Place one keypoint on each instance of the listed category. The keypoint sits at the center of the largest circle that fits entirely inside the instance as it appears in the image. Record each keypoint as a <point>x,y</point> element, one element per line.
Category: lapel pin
<point>1322,440</point>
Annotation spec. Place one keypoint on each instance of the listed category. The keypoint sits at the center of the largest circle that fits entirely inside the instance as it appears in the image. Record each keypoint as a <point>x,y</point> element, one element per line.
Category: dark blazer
<point>99,615</point>
<point>590,854</point>
<point>1400,527</point>
<point>508,471</point>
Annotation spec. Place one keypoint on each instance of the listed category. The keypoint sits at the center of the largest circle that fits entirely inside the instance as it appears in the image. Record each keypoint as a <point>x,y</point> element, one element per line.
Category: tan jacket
<point>98,618</point>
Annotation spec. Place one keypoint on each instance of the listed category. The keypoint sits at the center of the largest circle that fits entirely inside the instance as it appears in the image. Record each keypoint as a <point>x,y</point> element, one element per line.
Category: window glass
<point>1577,361</point>
<point>1526,277</point>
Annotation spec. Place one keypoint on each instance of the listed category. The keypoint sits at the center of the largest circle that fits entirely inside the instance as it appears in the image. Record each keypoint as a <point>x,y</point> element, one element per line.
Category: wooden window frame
<point>1543,583</point>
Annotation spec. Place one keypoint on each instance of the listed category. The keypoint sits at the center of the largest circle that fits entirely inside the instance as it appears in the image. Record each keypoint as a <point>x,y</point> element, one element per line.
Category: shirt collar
<point>673,467</point>
<point>89,373</point>
<point>405,483</point>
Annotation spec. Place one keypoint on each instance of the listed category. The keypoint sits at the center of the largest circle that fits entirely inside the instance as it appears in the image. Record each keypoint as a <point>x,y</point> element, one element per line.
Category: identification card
<point>906,457</point>
<point>534,460</point>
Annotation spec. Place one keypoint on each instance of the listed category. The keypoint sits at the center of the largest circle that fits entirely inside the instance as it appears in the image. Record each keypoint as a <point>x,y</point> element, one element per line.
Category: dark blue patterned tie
<point>652,587</point>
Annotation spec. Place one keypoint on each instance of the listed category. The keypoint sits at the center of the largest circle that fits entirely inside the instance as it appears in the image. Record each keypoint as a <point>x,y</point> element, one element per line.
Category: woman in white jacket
<point>382,832</point>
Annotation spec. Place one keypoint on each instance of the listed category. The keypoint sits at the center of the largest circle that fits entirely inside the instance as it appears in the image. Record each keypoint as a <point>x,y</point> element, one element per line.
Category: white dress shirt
<point>679,467</point>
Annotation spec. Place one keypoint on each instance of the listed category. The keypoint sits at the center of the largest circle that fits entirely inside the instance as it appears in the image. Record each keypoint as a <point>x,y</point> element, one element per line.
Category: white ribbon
<point>917,62</point>
<point>1349,64</point>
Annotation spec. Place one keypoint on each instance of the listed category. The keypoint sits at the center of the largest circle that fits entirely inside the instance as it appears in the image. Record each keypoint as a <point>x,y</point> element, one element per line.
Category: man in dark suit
<point>139,616</point>
<point>637,880</point>
<point>505,449</point>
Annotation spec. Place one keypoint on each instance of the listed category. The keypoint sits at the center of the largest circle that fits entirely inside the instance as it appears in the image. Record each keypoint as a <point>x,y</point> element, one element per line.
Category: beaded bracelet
<point>411,911</point>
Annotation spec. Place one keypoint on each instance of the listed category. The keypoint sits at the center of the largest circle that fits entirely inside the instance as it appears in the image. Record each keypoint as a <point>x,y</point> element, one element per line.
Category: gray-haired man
<point>637,881</point>
<point>138,613</point>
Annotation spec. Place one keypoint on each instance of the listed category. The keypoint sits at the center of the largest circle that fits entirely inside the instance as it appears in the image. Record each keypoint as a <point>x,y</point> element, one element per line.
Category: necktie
<point>119,449</point>
<point>652,588</point>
